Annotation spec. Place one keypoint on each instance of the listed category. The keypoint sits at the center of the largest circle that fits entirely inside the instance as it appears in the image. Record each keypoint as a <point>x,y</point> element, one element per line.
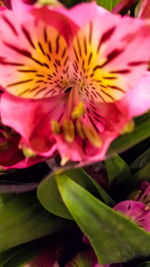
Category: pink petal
<point>11,155</point>
<point>105,53</point>
<point>48,258</point>
<point>83,13</point>
<point>135,211</point>
<point>33,60</point>
<point>123,5</point>
<point>145,9</point>
<point>31,121</point>
<point>58,19</point>
<point>137,100</point>
<point>144,194</point>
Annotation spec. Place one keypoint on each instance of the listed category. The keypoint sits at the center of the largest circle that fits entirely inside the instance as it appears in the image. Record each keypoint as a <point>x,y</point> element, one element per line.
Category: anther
<point>55,127</point>
<point>68,130</point>
<point>79,129</point>
<point>128,128</point>
<point>28,153</point>
<point>78,111</point>
<point>92,136</point>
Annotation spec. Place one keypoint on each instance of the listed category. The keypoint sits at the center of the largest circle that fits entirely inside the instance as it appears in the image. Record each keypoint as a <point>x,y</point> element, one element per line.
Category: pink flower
<point>72,79</point>
<point>10,154</point>
<point>144,194</point>
<point>136,211</point>
<point>48,258</point>
<point>145,9</point>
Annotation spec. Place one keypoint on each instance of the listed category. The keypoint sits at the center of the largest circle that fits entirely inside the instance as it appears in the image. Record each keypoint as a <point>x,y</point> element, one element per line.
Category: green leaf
<point>20,255</point>
<point>85,180</point>
<point>126,141</point>
<point>114,237</point>
<point>117,168</point>
<point>142,160</point>
<point>23,219</point>
<point>143,174</point>
<point>82,259</point>
<point>108,4</point>
<point>144,264</point>
<point>49,196</point>
<point>120,177</point>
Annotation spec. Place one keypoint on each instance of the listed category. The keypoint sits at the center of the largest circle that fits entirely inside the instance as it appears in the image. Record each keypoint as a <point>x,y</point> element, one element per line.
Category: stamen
<point>68,130</point>
<point>64,160</point>
<point>28,153</point>
<point>55,127</point>
<point>78,111</point>
<point>128,128</point>
<point>79,129</point>
<point>92,136</point>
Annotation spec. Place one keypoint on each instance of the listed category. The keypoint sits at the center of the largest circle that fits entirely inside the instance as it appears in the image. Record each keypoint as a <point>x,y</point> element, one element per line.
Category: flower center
<point>73,124</point>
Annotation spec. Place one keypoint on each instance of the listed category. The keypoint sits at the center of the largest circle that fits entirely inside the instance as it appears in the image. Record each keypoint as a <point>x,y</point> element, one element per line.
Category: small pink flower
<point>48,258</point>
<point>144,194</point>
<point>72,79</point>
<point>136,211</point>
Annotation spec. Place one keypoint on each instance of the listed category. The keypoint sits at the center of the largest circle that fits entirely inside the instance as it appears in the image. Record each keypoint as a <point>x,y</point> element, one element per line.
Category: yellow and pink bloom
<point>72,79</point>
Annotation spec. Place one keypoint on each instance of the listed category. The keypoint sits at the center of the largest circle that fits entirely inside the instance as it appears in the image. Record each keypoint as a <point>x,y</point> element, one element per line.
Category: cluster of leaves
<point>67,204</point>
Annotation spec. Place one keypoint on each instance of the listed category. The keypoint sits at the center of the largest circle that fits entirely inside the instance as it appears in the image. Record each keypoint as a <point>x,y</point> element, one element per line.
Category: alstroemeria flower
<point>48,258</point>
<point>136,211</point>
<point>144,12</point>
<point>66,74</point>
<point>143,194</point>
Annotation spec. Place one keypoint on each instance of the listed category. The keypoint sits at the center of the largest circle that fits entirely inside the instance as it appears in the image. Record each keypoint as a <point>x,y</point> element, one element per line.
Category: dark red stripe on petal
<point>45,35</point>
<point>27,71</point>
<point>111,56</point>
<point>75,52</point>
<point>37,61</point>
<point>137,63</point>
<point>90,32</point>
<point>94,125</point>
<point>79,47</point>
<point>11,63</point>
<point>64,52</point>
<point>40,75</point>
<point>28,37</point>
<point>18,50</point>
<point>125,71</point>
<point>108,95</point>
<point>50,47</point>
<point>105,37</point>
<point>90,57</point>
<point>35,88</point>
<point>115,53</point>
<point>20,82</point>
<point>39,91</point>
<point>116,88</point>
<point>41,48</point>
<point>11,26</point>
<point>109,78</point>
<point>85,46</point>
<point>57,44</point>
<point>25,91</point>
